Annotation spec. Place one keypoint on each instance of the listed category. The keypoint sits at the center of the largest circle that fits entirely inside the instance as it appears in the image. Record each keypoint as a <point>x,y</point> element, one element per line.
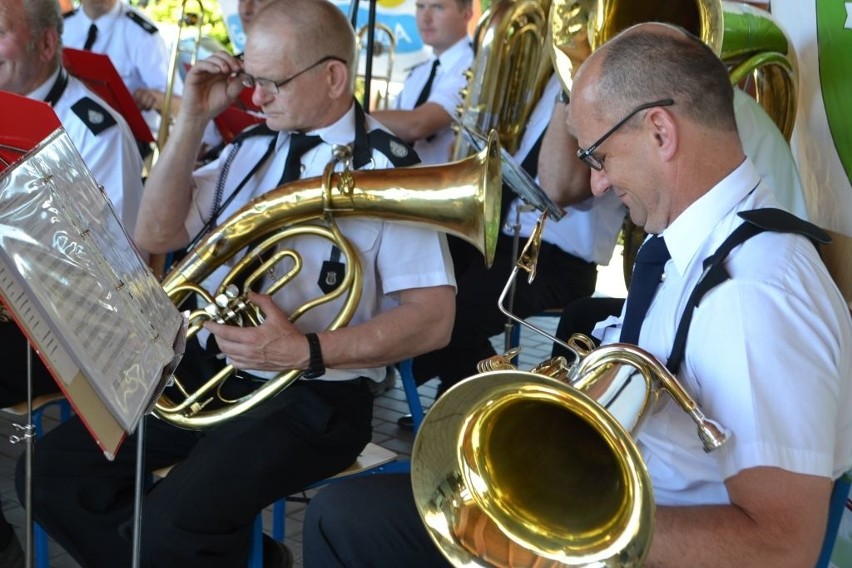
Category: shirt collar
<point>341,132</point>
<point>107,20</point>
<point>455,52</point>
<point>40,92</point>
<point>693,227</point>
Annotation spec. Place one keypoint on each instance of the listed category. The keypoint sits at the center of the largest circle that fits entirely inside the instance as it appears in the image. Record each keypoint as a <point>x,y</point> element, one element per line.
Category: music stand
<point>78,289</point>
<point>99,74</point>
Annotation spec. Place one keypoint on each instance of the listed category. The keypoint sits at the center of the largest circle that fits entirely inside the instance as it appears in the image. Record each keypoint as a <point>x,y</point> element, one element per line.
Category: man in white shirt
<point>428,103</point>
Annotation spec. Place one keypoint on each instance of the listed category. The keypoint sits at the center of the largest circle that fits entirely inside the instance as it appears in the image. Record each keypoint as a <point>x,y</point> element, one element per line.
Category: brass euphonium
<point>539,468</point>
<point>461,198</point>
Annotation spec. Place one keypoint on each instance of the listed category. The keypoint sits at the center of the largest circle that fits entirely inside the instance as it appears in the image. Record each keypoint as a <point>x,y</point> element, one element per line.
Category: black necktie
<point>427,88</point>
<point>299,144</point>
<point>647,274</point>
<point>90,39</point>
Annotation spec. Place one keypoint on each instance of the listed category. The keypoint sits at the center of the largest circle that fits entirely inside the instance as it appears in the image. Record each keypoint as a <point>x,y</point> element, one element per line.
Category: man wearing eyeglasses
<point>298,59</point>
<point>768,352</point>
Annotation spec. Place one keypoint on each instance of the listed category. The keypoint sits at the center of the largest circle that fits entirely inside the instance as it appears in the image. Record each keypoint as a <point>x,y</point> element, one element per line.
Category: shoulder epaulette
<point>70,12</point>
<point>259,129</point>
<point>142,22</point>
<point>93,115</point>
<point>398,152</point>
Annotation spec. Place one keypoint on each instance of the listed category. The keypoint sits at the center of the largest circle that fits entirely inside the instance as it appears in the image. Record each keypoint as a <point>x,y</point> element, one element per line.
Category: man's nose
<point>259,96</point>
<point>600,182</point>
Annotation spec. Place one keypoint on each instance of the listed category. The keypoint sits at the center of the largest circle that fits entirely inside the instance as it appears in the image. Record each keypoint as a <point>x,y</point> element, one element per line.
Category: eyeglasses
<point>588,156</point>
<point>271,87</point>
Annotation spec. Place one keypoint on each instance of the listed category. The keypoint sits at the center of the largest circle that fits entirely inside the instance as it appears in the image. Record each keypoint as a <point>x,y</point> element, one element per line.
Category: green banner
<point>834,36</point>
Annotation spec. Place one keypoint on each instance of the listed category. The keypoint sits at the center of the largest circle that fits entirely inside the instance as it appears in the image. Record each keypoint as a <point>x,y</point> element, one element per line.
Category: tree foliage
<point>168,12</point>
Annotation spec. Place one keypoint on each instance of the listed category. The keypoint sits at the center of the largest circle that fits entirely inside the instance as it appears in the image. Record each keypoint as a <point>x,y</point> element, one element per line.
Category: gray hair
<point>44,15</point>
<point>647,64</point>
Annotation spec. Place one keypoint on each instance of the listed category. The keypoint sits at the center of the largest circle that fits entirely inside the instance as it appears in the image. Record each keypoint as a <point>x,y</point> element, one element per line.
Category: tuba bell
<point>461,198</point>
<point>539,469</point>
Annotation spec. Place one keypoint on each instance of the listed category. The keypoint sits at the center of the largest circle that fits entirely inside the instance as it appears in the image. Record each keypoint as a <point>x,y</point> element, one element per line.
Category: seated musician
<point>768,352</point>
<point>299,58</point>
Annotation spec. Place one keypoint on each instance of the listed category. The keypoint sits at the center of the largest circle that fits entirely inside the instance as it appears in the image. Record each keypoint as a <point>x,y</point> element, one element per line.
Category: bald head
<point>654,61</point>
<point>312,29</point>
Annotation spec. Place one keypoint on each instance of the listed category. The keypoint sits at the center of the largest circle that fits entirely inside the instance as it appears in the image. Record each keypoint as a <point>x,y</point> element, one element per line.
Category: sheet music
<point>76,285</point>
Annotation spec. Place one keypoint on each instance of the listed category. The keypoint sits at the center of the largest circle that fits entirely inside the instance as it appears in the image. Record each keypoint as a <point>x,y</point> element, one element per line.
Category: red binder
<point>23,124</point>
<point>99,74</point>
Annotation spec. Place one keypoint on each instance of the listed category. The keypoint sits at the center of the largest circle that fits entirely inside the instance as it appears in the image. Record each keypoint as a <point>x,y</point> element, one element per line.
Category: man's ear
<point>48,44</point>
<point>663,128</point>
<point>338,78</point>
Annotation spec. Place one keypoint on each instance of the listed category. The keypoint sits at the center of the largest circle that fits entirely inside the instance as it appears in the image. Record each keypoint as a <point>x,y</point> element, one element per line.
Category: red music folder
<point>73,282</point>
<point>99,74</point>
<point>24,124</point>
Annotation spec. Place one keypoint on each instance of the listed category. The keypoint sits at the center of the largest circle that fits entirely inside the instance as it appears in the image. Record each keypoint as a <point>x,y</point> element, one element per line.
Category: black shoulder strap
<point>93,115</point>
<point>756,222</point>
<point>70,12</point>
<point>142,22</point>
<point>397,151</point>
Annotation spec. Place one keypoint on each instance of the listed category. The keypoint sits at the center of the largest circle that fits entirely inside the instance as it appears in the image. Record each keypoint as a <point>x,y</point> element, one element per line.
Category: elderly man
<point>299,59</point>
<point>768,349</point>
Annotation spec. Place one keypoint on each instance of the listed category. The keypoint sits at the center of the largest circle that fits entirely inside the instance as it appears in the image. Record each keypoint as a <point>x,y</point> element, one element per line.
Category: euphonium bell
<point>461,198</point>
<point>516,469</point>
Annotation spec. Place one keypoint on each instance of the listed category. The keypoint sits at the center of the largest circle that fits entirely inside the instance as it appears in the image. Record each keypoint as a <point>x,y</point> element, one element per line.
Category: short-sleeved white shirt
<point>769,353</point>
<point>446,92</point>
<point>110,154</point>
<point>589,229</point>
<point>137,50</point>
<point>394,256</point>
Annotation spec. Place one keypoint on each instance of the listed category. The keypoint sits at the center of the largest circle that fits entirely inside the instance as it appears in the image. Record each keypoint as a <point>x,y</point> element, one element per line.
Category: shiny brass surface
<point>759,56</point>
<point>513,468</point>
<point>509,72</point>
<point>386,49</point>
<point>190,21</point>
<point>461,198</point>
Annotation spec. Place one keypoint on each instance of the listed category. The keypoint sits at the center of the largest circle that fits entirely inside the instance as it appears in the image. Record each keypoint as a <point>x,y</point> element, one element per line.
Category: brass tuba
<point>513,468</point>
<point>509,73</point>
<point>460,198</point>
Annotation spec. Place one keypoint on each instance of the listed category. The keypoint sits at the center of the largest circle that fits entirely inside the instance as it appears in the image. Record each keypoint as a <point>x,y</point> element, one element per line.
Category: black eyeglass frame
<point>586,155</point>
<point>266,85</point>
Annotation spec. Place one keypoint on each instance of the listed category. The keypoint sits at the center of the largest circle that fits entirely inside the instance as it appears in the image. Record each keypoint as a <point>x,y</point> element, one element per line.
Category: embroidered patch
<point>93,115</point>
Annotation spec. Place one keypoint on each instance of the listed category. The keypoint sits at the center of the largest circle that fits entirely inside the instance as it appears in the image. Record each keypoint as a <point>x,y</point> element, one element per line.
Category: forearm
<point>168,190</point>
<point>416,124</point>
<point>563,177</point>
<point>410,329</point>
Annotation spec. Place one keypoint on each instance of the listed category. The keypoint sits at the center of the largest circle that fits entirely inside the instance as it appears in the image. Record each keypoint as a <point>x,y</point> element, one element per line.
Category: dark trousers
<point>201,514</point>
<point>560,278</point>
<point>367,522</point>
<point>581,316</point>
<point>13,385</point>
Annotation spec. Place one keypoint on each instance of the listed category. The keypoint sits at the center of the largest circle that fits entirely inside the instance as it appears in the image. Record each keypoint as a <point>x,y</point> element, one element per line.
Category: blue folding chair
<point>839,498</point>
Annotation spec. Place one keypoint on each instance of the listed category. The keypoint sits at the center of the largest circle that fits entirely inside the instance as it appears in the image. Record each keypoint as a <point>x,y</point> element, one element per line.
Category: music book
<point>76,286</point>
<point>99,74</point>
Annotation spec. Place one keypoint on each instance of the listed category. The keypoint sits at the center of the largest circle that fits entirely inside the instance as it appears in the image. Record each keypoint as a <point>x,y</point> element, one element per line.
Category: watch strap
<point>316,366</point>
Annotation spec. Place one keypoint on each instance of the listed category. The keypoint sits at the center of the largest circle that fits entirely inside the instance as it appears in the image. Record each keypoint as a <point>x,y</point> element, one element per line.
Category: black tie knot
<point>90,39</point>
<point>647,273</point>
<point>299,144</point>
<point>427,88</point>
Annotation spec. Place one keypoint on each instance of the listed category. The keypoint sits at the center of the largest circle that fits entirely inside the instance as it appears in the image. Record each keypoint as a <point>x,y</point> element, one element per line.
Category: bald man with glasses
<point>299,59</point>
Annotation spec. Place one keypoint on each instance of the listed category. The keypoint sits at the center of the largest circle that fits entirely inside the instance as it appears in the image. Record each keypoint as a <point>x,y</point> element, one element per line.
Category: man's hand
<point>275,345</point>
<point>212,85</point>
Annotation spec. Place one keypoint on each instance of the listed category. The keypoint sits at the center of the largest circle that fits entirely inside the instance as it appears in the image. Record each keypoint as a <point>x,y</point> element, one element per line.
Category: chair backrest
<point>839,498</point>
